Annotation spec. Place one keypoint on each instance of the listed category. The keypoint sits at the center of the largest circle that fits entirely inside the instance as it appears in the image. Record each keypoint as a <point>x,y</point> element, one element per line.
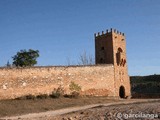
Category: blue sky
<point>62,29</point>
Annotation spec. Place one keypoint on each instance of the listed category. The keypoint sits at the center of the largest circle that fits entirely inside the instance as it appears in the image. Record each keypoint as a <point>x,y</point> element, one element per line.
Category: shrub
<point>73,94</point>
<point>30,97</point>
<point>21,98</point>
<point>57,92</point>
<point>66,95</point>
<point>42,96</point>
<point>26,97</point>
<point>74,87</point>
<point>55,95</point>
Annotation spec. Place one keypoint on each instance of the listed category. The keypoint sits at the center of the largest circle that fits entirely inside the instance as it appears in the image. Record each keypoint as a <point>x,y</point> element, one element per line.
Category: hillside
<point>145,85</point>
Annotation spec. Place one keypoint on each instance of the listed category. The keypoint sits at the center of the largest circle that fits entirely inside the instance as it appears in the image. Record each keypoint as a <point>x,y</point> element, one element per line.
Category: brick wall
<point>94,80</point>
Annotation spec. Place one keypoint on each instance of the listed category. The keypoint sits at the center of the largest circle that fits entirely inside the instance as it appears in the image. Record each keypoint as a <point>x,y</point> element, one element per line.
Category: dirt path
<point>51,114</point>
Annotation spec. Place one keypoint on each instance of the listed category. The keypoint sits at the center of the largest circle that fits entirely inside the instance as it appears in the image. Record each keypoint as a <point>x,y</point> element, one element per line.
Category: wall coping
<point>61,66</point>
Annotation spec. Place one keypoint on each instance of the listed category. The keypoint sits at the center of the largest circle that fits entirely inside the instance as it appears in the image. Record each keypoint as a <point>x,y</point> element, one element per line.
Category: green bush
<point>74,87</point>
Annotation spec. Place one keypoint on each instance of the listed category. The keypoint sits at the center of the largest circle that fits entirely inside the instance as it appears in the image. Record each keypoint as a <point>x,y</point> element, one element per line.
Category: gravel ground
<point>139,111</point>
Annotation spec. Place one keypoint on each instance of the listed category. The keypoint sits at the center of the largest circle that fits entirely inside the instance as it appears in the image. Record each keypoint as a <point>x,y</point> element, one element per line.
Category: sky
<point>63,29</point>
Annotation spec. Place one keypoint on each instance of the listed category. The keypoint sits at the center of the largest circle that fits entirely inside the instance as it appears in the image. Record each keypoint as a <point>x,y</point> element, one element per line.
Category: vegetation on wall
<point>56,93</point>
<point>74,87</point>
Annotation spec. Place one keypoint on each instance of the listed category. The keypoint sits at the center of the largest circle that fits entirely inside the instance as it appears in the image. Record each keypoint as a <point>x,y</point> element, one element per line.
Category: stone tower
<point>110,48</point>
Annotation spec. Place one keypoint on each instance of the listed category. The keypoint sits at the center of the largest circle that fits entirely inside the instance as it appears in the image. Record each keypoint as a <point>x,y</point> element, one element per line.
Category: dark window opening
<point>101,60</point>
<point>118,56</point>
<point>102,48</point>
<point>124,62</point>
<point>121,62</point>
<point>120,50</point>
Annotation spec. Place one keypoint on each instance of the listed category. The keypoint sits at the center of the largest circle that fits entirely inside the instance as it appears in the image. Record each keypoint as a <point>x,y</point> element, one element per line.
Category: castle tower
<point>110,48</point>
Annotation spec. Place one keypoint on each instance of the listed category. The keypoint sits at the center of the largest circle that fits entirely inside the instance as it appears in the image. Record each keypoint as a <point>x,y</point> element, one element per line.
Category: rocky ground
<point>139,111</point>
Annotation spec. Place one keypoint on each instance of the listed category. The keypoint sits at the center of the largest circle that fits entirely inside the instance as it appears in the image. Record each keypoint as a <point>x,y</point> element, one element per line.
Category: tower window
<point>119,56</point>
<point>101,60</point>
<point>102,48</point>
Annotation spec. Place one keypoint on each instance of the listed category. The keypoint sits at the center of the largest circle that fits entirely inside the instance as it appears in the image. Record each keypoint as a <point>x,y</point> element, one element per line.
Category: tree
<point>85,59</point>
<point>25,58</point>
<point>8,64</point>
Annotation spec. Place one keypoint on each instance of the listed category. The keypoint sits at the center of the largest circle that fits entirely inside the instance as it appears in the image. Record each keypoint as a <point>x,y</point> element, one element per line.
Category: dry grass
<point>23,106</point>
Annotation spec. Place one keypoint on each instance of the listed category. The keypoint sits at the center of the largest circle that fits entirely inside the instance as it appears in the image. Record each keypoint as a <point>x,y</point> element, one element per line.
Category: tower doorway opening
<point>122,92</point>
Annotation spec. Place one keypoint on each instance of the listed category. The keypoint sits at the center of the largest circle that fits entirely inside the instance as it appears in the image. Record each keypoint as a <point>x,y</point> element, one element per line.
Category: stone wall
<point>94,80</point>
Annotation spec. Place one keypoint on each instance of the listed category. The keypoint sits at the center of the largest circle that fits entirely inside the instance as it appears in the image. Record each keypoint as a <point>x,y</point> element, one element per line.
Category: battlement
<point>108,32</point>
